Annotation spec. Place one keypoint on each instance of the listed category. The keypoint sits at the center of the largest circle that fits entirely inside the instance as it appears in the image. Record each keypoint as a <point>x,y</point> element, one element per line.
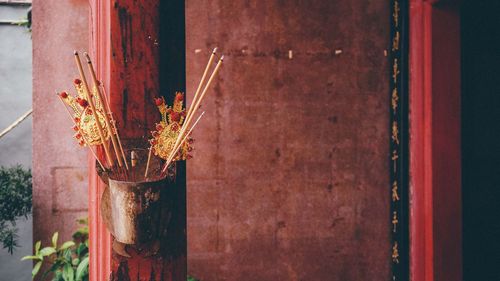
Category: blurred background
<point>15,101</point>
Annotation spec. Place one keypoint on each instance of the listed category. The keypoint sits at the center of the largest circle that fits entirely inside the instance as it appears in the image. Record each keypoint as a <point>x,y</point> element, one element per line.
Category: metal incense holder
<point>137,213</point>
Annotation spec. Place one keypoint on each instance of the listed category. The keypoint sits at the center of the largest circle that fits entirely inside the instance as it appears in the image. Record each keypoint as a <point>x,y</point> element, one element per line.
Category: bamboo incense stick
<point>176,149</point>
<point>133,158</point>
<point>81,133</point>
<point>17,122</point>
<point>106,113</point>
<point>195,107</point>
<point>114,125</point>
<point>147,163</point>
<point>133,162</point>
<point>202,80</point>
<point>92,106</point>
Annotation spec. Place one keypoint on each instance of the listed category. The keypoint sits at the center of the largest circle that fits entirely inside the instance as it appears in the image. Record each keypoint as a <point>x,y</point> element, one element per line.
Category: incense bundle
<point>93,121</point>
<point>96,128</point>
<point>194,108</point>
<point>171,140</point>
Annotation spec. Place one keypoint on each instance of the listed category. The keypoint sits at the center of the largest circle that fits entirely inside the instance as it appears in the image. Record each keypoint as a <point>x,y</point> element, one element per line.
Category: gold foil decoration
<point>395,14</point>
<point>395,70</point>
<point>394,100</point>
<point>168,129</point>
<point>395,252</point>
<point>395,196</point>
<point>89,129</point>
<point>395,221</point>
<point>84,118</point>
<point>395,42</point>
<point>395,132</point>
<point>394,159</point>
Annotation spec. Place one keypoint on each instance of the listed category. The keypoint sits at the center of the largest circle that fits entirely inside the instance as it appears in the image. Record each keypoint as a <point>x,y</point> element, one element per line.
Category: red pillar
<point>132,58</point>
<point>435,167</point>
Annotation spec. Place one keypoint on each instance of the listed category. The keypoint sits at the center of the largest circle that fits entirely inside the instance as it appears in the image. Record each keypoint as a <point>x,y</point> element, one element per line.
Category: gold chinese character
<point>395,42</point>
<point>395,99</point>
<point>395,14</point>
<point>394,221</point>
<point>395,196</point>
<point>395,160</point>
<point>395,70</point>
<point>395,132</point>
<point>395,253</point>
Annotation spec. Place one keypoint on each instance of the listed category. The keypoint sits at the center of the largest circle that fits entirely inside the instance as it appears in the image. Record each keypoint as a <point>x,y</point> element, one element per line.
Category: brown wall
<point>59,165</point>
<point>290,175</point>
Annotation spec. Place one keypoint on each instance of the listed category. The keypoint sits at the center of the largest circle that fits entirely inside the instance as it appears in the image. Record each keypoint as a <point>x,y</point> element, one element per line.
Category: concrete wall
<point>59,165</point>
<point>289,179</point>
<point>15,147</point>
<point>290,175</point>
<point>15,87</point>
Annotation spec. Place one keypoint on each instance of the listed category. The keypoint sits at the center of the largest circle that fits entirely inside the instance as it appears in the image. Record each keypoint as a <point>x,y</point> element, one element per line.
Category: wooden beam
<point>15,2</point>
<point>435,216</point>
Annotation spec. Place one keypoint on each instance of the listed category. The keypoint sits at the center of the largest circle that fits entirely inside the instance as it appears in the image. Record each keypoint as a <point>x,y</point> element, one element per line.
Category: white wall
<point>15,147</point>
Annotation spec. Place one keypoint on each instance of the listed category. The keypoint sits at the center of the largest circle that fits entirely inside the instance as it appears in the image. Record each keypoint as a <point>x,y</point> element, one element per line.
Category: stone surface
<point>59,164</point>
<point>289,179</point>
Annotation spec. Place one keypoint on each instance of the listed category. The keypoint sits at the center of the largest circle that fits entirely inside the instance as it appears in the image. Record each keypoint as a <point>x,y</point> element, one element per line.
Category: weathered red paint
<point>100,239</point>
<point>420,166</point>
<point>290,174</point>
<point>435,215</point>
<point>125,45</point>
<point>134,66</point>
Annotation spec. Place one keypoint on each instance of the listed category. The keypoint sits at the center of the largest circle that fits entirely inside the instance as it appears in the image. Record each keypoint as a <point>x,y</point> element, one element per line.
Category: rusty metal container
<point>135,212</point>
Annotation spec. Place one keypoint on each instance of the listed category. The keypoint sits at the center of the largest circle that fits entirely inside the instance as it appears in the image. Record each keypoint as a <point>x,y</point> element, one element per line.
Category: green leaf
<point>54,239</point>
<point>36,268</point>
<point>54,268</point>
<point>81,249</point>
<point>58,276</point>
<point>82,269</point>
<point>37,247</point>
<point>75,261</point>
<point>66,245</point>
<point>15,203</point>
<point>30,258</point>
<point>67,255</point>
<point>68,272</point>
<point>47,251</point>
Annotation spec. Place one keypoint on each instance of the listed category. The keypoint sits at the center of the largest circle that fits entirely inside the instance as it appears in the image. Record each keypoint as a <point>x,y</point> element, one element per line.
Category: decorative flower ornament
<point>86,128</point>
<point>167,131</point>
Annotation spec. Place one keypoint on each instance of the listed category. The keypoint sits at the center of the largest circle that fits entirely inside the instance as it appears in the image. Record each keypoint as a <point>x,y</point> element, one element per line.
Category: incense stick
<point>92,106</point>
<point>176,149</point>
<point>81,133</point>
<point>106,113</point>
<point>202,80</point>
<point>147,163</point>
<point>114,125</point>
<point>196,106</point>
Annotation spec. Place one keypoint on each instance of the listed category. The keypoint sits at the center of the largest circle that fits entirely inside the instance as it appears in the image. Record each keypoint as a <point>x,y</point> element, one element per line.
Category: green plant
<point>69,261</point>
<point>25,23</point>
<point>15,202</point>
